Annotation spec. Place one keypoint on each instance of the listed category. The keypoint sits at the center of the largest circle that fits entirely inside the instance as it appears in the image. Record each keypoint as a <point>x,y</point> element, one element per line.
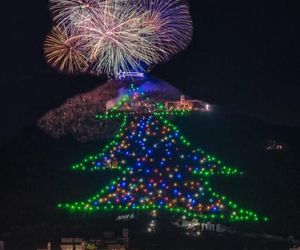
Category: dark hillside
<point>36,176</point>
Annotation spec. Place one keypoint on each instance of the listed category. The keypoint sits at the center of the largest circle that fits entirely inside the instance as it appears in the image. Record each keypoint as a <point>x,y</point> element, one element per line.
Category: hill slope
<point>35,175</point>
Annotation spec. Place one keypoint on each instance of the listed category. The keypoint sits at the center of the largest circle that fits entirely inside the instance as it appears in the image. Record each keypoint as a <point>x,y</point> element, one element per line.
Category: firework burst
<point>109,36</point>
<point>119,40</point>
<point>64,52</point>
<point>171,23</point>
<point>68,12</point>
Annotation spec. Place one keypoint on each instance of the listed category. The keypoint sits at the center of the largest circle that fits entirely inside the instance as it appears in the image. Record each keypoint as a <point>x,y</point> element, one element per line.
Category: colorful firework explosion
<point>108,36</point>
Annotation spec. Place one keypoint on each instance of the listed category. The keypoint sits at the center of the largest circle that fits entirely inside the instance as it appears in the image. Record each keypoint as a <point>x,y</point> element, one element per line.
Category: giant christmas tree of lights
<point>156,167</point>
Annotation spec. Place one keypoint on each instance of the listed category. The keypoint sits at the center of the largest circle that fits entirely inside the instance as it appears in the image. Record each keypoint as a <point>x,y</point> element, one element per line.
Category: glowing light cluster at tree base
<point>157,168</point>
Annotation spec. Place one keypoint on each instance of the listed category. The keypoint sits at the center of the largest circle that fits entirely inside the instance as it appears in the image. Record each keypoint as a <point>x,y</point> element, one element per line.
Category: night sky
<point>245,57</point>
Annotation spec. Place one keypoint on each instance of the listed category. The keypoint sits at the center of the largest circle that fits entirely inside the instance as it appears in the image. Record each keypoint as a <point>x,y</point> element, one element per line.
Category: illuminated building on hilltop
<point>184,104</point>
